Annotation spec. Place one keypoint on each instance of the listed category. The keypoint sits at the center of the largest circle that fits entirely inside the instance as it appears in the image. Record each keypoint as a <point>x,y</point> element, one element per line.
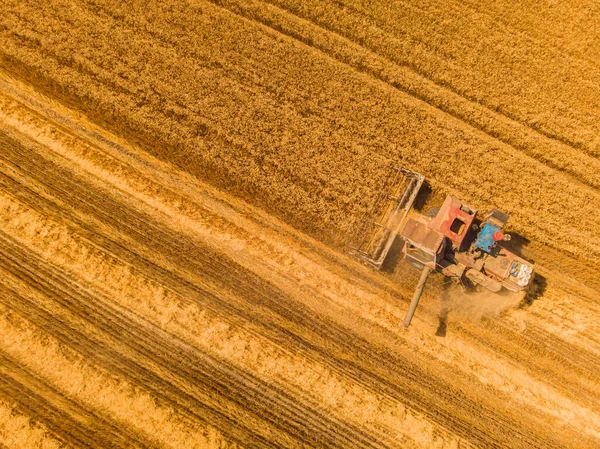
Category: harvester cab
<point>450,240</point>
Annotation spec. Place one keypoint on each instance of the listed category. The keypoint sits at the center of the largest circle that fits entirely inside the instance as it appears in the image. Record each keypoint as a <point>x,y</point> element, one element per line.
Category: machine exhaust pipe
<point>415,300</point>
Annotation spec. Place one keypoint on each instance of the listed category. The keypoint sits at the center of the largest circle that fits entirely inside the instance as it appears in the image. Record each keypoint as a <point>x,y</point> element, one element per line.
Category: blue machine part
<point>484,239</point>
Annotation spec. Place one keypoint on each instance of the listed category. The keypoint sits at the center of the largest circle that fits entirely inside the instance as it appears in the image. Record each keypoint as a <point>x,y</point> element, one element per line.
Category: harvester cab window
<point>457,226</point>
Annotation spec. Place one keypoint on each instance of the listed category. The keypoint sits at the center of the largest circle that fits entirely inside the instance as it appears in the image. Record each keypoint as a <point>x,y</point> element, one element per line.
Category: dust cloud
<point>477,305</point>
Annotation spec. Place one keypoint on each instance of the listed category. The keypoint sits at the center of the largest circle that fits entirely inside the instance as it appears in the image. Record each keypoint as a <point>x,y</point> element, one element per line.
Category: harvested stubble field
<point>177,182</point>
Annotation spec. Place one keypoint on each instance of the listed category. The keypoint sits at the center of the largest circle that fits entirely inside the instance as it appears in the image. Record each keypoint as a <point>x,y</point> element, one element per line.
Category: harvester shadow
<point>445,307</point>
<point>536,290</point>
<point>516,245</point>
<point>423,196</point>
<point>394,256</point>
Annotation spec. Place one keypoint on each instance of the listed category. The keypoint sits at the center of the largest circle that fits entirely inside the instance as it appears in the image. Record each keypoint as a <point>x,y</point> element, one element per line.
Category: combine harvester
<point>450,240</point>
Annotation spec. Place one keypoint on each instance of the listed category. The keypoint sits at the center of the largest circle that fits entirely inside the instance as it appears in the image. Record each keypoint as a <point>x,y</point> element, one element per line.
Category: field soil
<point>179,182</point>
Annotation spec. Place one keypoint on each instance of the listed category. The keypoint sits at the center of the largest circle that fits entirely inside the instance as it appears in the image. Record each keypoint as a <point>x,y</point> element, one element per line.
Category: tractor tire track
<point>67,420</point>
<point>553,360</point>
<point>147,348</point>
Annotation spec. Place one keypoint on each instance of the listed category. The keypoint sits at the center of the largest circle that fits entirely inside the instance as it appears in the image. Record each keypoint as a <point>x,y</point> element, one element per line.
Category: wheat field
<point>178,184</point>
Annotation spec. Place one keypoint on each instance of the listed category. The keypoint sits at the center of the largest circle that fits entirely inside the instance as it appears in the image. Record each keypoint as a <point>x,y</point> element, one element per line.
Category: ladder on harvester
<point>383,222</point>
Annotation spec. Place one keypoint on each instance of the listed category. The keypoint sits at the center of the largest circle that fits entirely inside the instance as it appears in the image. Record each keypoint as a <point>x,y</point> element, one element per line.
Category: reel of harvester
<point>384,221</point>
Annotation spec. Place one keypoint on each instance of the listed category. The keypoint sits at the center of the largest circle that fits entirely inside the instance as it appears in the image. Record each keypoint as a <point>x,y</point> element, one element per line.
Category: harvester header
<point>387,216</point>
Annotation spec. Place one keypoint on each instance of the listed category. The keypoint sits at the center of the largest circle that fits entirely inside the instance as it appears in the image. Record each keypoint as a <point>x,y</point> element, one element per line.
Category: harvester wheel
<point>432,212</point>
